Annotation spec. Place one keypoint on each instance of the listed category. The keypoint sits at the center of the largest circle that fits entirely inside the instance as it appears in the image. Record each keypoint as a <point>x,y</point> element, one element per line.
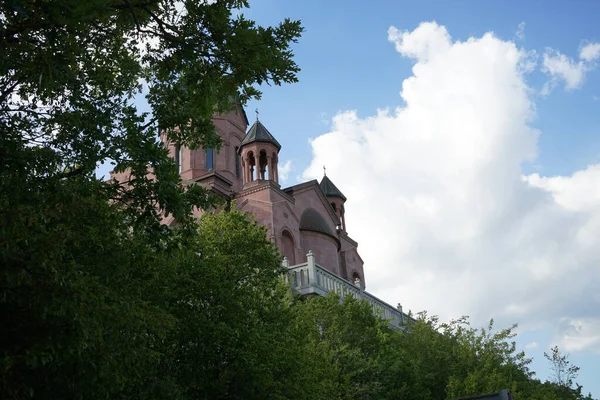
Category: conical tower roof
<point>258,133</point>
<point>330,189</point>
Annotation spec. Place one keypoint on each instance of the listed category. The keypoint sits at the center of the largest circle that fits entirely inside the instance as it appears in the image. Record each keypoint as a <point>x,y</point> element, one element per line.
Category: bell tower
<point>336,199</point>
<point>259,152</point>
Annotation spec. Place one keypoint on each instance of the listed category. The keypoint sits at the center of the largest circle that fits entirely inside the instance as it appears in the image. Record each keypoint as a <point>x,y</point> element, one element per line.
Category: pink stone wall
<point>232,129</point>
<point>324,248</point>
<point>271,207</point>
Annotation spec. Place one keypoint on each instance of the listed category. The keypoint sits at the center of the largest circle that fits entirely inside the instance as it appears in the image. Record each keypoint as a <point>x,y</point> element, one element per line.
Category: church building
<point>300,218</point>
<point>306,221</point>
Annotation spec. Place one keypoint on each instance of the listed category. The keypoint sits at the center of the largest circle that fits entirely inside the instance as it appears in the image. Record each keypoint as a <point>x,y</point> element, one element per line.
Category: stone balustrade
<point>309,278</point>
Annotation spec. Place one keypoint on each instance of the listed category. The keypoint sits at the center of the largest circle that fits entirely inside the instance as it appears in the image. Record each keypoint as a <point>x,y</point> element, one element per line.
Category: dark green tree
<point>69,70</point>
<point>78,254</point>
<point>347,342</point>
<point>235,335</point>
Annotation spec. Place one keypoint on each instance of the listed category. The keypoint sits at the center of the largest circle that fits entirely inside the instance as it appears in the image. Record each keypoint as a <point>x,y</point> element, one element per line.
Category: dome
<point>258,133</point>
<point>311,220</point>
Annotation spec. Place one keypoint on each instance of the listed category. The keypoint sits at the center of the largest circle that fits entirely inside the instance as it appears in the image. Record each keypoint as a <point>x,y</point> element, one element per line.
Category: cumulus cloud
<point>590,52</point>
<point>437,199</point>
<point>562,68</point>
<point>284,170</point>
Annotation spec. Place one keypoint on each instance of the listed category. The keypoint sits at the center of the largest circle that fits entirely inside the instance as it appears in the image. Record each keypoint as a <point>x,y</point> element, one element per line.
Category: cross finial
<point>324,171</point>
<point>256,113</point>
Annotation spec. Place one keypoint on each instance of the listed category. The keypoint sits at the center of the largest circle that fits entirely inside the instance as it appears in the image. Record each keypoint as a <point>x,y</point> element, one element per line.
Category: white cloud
<point>579,334</point>
<point>560,67</point>
<point>590,52</point>
<point>445,219</point>
<point>520,34</point>
<point>578,192</point>
<point>531,345</point>
<point>428,41</point>
<point>284,170</point>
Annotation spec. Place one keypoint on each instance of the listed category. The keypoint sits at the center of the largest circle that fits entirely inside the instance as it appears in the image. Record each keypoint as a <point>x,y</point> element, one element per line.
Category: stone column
<point>243,167</point>
<point>312,268</point>
<point>247,176</point>
<point>269,167</point>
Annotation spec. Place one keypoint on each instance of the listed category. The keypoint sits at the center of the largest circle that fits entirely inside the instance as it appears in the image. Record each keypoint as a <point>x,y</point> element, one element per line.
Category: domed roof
<point>311,220</point>
<point>258,133</point>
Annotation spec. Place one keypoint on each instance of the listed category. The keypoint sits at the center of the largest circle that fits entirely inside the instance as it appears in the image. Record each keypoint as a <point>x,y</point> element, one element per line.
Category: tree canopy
<point>363,358</point>
<point>70,69</point>
<point>85,263</point>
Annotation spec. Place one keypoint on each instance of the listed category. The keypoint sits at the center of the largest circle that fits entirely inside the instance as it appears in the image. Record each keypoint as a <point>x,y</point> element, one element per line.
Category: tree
<point>69,71</point>
<point>234,336</point>
<point>564,373</point>
<point>79,255</point>
<point>347,343</point>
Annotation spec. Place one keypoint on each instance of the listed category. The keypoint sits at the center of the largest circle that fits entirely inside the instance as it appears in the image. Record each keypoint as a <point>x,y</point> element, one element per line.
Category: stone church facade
<point>306,221</point>
<point>300,218</point>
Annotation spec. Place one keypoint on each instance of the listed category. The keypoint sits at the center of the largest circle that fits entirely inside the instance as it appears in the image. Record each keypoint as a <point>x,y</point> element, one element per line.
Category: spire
<point>329,188</point>
<point>258,133</point>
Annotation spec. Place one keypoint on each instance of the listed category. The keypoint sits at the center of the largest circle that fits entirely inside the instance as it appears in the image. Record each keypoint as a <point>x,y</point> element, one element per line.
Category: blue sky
<point>348,64</point>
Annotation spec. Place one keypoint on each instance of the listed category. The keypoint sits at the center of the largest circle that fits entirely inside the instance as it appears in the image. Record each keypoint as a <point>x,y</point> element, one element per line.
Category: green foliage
<point>348,342</point>
<point>86,264</point>
<point>73,321</point>
<point>69,70</point>
<point>233,337</point>
<point>362,358</point>
<point>563,372</point>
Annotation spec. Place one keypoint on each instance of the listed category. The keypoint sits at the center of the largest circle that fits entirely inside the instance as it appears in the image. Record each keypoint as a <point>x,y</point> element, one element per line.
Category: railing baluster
<point>312,278</point>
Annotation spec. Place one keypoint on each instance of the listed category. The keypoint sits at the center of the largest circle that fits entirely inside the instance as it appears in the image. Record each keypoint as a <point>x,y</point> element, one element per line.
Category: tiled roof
<point>258,133</point>
<point>330,189</point>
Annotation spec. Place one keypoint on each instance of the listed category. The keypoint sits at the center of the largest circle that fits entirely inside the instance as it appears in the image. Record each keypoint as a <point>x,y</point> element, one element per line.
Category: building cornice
<point>264,185</point>
<point>314,184</point>
<point>347,238</point>
<point>215,182</point>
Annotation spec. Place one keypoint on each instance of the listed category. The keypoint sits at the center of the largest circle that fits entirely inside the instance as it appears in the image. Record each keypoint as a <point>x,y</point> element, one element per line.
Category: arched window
<point>238,170</point>
<point>263,171</point>
<point>209,159</point>
<point>333,206</point>
<point>356,279</point>
<point>252,166</point>
<point>288,247</point>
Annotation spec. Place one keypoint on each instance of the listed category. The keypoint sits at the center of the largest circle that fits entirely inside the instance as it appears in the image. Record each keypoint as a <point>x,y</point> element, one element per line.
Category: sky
<point>465,135</point>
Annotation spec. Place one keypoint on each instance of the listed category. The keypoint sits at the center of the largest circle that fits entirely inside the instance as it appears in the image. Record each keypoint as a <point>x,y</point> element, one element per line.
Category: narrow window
<point>179,158</point>
<point>209,159</point>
